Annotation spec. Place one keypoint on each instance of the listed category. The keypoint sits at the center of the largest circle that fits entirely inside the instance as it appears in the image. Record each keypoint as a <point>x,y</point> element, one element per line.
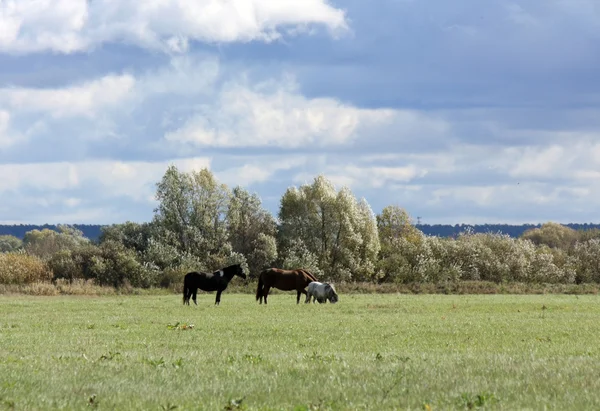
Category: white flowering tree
<point>252,230</point>
<point>191,216</point>
<point>328,228</point>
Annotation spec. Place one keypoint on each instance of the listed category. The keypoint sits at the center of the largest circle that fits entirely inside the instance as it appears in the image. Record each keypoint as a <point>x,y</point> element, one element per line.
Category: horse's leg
<point>266,293</point>
<point>303,291</point>
<point>194,295</point>
<point>218,298</point>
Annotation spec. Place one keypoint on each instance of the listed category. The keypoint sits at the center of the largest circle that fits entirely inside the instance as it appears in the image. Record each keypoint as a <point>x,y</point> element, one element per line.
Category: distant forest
<point>93,232</point>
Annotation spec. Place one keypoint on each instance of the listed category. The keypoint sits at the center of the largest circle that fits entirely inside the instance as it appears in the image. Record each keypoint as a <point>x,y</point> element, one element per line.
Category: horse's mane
<point>308,274</point>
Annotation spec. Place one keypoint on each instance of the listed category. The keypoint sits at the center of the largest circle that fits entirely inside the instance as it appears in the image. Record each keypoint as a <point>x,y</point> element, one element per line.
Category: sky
<point>460,112</point>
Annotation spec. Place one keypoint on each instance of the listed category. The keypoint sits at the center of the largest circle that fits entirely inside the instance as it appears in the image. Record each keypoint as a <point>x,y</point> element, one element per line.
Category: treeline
<point>515,231</point>
<point>201,224</point>
<point>93,231</point>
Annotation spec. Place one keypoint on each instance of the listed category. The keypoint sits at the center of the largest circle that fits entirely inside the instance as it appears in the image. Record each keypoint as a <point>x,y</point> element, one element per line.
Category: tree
<point>132,235</point>
<point>191,215</point>
<point>588,234</point>
<point>45,243</point>
<point>371,242</point>
<point>397,234</point>
<point>553,235</point>
<point>317,220</point>
<point>10,243</point>
<point>251,229</point>
<point>395,222</point>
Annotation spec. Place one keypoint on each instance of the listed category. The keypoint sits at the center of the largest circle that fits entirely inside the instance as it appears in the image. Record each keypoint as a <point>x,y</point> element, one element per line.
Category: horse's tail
<point>260,286</point>
<point>309,275</point>
<point>185,288</point>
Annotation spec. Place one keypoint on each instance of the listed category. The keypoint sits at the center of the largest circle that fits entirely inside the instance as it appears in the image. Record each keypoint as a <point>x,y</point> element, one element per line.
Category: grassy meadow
<point>391,351</point>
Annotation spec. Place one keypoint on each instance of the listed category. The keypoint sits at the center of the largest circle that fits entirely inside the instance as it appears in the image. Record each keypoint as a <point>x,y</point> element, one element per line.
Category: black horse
<point>217,281</point>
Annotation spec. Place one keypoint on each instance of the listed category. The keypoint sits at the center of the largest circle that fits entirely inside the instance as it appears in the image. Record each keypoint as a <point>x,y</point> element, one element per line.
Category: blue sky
<point>460,112</point>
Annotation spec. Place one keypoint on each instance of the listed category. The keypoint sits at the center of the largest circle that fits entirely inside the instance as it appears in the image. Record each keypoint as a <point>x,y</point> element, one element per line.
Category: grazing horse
<point>216,281</point>
<point>285,280</point>
<point>321,292</point>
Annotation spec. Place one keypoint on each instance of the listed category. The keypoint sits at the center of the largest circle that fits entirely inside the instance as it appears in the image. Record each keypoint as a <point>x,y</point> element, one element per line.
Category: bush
<point>21,268</point>
<point>46,243</point>
<point>64,264</point>
<point>116,265</point>
<point>553,235</point>
<point>10,243</point>
<point>472,257</point>
<point>108,264</point>
<point>501,258</point>
<point>585,261</point>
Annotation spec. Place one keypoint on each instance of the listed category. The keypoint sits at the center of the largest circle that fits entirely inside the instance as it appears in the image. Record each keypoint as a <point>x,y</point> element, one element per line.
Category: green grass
<point>367,352</point>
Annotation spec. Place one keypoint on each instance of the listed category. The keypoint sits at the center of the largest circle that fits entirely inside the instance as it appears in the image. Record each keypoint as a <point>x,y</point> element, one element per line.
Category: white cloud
<point>37,25</point>
<point>67,26</point>
<point>520,16</point>
<point>134,179</point>
<point>364,176</point>
<point>524,195</point>
<point>259,171</point>
<point>378,177</point>
<point>275,115</point>
<point>89,109</point>
<point>536,162</point>
<point>6,139</point>
<point>74,100</point>
<point>482,196</point>
<point>574,159</point>
<point>184,75</point>
<point>72,201</point>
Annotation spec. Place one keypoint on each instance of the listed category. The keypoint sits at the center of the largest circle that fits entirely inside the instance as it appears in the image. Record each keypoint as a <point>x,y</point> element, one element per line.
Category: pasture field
<point>376,352</point>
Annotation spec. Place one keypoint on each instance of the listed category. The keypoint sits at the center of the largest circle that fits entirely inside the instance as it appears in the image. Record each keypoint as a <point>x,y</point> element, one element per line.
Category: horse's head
<point>239,271</point>
<point>331,293</point>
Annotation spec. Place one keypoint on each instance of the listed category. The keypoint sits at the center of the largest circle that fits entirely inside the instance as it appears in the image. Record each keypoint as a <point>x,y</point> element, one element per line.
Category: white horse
<point>321,292</point>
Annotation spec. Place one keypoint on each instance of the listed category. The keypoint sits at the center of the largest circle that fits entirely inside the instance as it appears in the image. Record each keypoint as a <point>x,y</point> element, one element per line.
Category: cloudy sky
<point>459,111</point>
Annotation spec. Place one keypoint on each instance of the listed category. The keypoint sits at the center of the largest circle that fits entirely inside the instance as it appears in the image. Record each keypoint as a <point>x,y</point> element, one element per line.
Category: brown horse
<point>285,280</point>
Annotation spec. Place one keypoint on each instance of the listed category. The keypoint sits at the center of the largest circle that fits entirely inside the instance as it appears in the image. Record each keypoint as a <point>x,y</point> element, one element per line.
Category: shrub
<point>10,243</point>
<point>21,268</point>
<point>472,257</point>
<point>66,264</point>
<point>160,254</point>
<point>108,264</point>
<point>501,258</point>
<point>584,260</point>
<point>46,243</point>
<point>117,265</point>
<point>553,235</point>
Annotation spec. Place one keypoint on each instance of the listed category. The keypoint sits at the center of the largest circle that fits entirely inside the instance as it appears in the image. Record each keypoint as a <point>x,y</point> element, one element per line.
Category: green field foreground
<point>366,352</point>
